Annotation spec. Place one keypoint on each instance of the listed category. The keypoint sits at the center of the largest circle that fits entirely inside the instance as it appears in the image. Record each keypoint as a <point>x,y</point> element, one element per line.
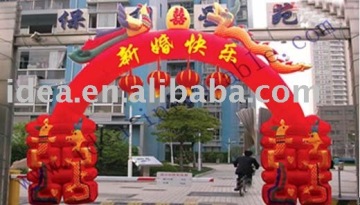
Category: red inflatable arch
<point>295,155</point>
<point>104,69</point>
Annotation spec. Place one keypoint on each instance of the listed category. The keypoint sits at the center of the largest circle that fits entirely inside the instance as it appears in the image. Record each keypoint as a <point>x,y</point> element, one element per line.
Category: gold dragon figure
<point>315,140</point>
<point>315,192</point>
<point>77,183</point>
<point>43,142</point>
<point>280,142</point>
<point>225,28</point>
<point>77,139</point>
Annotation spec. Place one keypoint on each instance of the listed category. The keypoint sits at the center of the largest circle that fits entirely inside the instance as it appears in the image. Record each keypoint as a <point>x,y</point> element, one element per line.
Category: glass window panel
<point>39,74</point>
<point>56,74</point>
<point>21,72</point>
<point>106,7</point>
<point>42,4</point>
<point>24,59</point>
<point>23,109</point>
<point>44,97</point>
<point>106,20</point>
<point>61,4</point>
<point>56,59</point>
<point>42,58</point>
<point>39,59</point>
<point>40,108</point>
<point>92,20</point>
<point>91,8</point>
<point>102,109</point>
<point>108,96</point>
<point>27,5</point>
<point>24,96</point>
<point>117,109</point>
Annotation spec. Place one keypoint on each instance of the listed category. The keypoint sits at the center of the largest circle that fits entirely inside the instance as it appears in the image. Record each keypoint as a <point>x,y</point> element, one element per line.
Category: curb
<point>125,179</point>
<point>161,203</point>
<point>144,179</point>
<point>205,173</point>
<point>344,201</point>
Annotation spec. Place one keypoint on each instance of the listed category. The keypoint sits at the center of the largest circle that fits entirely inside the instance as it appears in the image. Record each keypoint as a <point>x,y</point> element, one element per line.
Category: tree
<point>181,124</point>
<point>18,142</point>
<point>112,152</point>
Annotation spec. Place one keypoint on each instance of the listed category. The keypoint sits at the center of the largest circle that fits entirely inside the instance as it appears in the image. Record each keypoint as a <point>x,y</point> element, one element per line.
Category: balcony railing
<point>45,4</point>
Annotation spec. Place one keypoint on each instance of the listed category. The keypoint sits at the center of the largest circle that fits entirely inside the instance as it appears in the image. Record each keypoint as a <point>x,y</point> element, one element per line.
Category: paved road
<point>219,192</point>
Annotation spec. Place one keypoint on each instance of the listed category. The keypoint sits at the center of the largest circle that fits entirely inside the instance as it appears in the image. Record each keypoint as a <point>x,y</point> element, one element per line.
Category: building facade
<point>331,72</point>
<point>343,132</point>
<point>50,65</point>
<point>333,75</point>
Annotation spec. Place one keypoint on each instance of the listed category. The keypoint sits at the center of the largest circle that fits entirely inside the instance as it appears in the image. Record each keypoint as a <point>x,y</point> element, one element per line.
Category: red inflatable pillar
<point>278,159</point>
<point>62,159</point>
<point>315,160</point>
<point>296,160</point>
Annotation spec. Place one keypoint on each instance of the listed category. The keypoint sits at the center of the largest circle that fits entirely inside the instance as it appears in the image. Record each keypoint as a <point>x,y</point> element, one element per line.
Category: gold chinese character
<point>162,43</point>
<point>196,45</point>
<point>228,53</point>
<point>127,54</point>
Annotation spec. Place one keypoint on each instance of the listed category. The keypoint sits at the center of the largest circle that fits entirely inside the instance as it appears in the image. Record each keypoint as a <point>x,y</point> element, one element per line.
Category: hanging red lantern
<point>161,78</point>
<point>221,79</point>
<point>127,81</point>
<point>187,78</point>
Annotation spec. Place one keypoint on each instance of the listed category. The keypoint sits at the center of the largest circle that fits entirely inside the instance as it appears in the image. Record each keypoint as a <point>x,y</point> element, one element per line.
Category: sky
<point>287,50</point>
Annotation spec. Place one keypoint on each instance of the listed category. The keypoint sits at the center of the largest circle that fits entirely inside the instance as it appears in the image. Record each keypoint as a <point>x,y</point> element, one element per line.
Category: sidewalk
<point>219,192</point>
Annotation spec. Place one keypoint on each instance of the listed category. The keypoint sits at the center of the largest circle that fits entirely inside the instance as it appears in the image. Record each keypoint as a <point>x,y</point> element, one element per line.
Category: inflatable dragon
<point>131,25</point>
<point>225,19</point>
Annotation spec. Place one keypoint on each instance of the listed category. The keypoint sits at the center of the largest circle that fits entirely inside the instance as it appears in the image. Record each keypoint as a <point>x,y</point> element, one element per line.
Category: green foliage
<point>182,124</point>
<point>235,152</point>
<point>113,153</point>
<point>18,142</point>
<point>165,168</point>
<point>213,157</point>
<point>187,157</point>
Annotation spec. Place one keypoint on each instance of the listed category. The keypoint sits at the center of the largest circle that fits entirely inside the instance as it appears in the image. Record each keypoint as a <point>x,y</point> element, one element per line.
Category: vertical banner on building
<point>200,21</point>
<point>72,20</point>
<point>282,15</point>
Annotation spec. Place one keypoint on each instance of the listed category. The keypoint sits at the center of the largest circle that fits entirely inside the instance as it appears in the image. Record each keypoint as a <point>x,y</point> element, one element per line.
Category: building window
<point>188,5</point>
<point>44,4</point>
<point>216,136</point>
<point>42,58</point>
<point>43,63</point>
<point>103,15</point>
<point>175,68</point>
<point>160,10</point>
<point>61,4</point>
<point>106,20</point>
<point>40,29</point>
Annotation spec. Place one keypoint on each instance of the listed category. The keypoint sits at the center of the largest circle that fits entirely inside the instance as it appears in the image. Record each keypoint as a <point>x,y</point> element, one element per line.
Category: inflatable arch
<point>295,152</point>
